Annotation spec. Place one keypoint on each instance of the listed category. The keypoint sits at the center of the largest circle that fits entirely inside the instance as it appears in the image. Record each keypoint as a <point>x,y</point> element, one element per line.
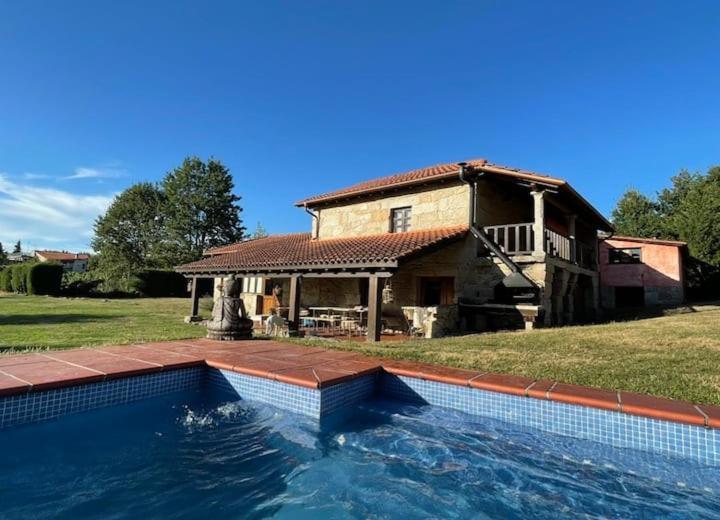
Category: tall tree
<point>3,255</point>
<point>696,217</point>
<point>260,232</point>
<point>130,236</point>
<point>201,209</point>
<point>670,199</point>
<point>637,215</point>
<point>18,247</point>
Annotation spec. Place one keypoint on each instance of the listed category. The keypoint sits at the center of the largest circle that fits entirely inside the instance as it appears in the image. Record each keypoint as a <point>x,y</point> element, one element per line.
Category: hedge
<point>5,279</point>
<point>158,283</point>
<point>18,275</point>
<point>44,278</point>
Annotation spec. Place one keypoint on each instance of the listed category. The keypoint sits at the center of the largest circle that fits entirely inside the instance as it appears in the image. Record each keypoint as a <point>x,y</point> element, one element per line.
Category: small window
<point>631,255</point>
<point>400,220</point>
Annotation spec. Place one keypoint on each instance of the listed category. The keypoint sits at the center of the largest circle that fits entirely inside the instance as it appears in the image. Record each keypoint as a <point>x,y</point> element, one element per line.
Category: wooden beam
<point>194,297</point>
<point>294,311</point>
<point>374,324</point>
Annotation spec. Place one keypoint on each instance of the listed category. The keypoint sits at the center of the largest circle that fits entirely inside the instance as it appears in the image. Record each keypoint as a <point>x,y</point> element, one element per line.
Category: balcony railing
<point>518,239</point>
<point>514,239</point>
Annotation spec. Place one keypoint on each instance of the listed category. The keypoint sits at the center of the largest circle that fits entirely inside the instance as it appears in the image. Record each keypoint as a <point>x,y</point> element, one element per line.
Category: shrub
<point>43,278</point>
<point>159,283</point>
<point>18,277</point>
<point>81,284</point>
<point>5,279</point>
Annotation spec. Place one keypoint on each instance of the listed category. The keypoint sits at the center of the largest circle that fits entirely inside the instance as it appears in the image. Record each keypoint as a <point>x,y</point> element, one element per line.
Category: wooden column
<point>538,222</point>
<point>294,304</point>
<point>571,220</point>
<point>374,321</point>
<point>194,297</point>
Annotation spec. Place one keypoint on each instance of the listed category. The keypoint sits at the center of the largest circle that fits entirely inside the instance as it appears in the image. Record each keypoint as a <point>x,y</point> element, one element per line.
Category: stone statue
<point>229,319</point>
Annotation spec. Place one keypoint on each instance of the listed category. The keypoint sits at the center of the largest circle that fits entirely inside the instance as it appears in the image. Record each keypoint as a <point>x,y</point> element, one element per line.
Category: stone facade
<point>431,208</point>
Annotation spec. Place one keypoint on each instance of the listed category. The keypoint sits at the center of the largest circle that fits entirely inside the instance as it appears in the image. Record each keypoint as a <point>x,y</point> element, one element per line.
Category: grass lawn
<point>41,322</point>
<point>674,356</point>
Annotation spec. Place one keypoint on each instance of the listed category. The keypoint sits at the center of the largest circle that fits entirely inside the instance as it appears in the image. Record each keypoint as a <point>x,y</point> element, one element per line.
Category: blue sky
<point>303,97</point>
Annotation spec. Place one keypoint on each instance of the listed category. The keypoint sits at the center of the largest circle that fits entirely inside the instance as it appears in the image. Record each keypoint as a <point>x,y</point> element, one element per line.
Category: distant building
<point>75,262</point>
<point>18,258</point>
<point>636,272</point>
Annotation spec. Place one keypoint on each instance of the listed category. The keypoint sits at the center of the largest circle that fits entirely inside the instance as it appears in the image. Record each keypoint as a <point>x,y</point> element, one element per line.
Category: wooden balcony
<point>519,239</point>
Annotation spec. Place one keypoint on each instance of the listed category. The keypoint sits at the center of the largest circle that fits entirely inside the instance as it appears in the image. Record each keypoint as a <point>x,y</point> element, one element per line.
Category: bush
<point>18,277</point>
<point>6,279</point>
<point>81,284</point>
<point>43,278</point>
<point>159,283</point>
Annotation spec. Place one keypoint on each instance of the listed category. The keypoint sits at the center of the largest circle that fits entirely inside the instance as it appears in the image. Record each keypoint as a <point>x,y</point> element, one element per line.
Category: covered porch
<point>368,290</point>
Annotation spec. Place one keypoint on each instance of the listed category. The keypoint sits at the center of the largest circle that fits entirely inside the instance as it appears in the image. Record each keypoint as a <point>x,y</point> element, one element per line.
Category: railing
<point>559,245</point>
<point>518,239</point>
<point>514,239</point>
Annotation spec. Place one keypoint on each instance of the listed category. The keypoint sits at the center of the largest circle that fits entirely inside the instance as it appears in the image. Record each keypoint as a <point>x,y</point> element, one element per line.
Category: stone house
<point>71,262</point>
<point>636,272</point>
<point>458,246</point>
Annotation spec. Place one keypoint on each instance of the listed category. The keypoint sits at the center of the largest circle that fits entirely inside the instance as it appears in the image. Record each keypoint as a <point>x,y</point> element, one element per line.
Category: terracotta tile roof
<point>429,173</point>
<point>299,250</point>
<point>676,243</point>
<point>63,255</point>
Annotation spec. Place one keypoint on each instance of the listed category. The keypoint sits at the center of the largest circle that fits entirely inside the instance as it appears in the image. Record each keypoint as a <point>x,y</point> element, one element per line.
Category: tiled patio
<point>311,368</point>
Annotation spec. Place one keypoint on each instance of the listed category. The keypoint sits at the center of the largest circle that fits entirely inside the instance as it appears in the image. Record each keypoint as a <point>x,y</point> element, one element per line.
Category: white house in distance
<point>74,262</point>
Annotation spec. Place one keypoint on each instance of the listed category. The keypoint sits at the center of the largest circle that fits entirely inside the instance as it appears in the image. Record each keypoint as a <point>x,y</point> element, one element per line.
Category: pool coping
<point>313,368</point>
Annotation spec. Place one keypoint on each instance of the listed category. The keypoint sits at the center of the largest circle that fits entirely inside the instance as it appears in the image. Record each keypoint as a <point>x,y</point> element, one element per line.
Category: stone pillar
<point>538,222</point>
<point>294,305</point>
<point>595,297</point>
<point>374,319</point>
<point>569,305</point>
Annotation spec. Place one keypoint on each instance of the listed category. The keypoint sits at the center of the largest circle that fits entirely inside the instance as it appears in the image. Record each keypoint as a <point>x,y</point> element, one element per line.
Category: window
<point>436,290</point>
<point>631,255</point>
<point>400,220</point>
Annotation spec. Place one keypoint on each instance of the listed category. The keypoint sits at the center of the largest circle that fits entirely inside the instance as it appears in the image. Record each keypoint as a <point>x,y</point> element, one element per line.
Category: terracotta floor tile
<point>112,365</point>
<point>297,376</point>
<point>354,366</point>
<point>539,389</point>
<point>449,375</point>
<point>506,384</point>
<point>713,414</point>
<point>660,408</point>
<point>20,359</point>
<point>11,386</point>
<point>403,368</point>
<point>585,396</point>
<point>52,374</point>
<point>167,360</point>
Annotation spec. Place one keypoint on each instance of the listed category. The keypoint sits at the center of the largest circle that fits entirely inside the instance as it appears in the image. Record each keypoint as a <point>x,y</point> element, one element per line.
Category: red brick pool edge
<point>312,368</point>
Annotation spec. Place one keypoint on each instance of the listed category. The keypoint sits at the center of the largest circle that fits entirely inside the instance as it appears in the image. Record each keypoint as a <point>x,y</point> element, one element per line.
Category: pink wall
<point>661,266</point>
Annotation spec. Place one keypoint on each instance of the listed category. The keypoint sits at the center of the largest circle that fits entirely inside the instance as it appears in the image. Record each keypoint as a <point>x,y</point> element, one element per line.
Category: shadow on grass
<point>51,319</point>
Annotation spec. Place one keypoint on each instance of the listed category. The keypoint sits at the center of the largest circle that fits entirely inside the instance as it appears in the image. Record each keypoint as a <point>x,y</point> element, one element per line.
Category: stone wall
<point>433,207</point>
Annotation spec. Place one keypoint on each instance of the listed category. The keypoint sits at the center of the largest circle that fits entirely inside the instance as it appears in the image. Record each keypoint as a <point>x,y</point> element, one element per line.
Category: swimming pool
<point>205,453</point>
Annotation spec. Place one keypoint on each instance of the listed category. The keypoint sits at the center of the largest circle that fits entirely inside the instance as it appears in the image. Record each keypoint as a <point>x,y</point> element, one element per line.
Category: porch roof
<point>298,252</point>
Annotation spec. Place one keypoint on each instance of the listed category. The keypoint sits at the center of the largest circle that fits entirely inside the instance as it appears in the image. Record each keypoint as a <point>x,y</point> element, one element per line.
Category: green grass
<point>31,322</point>
<point>673,356</point>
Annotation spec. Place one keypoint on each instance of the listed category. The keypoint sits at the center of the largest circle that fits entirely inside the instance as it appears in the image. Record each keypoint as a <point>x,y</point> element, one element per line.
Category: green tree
<point>201,209</point>
<point>696,217</point>
<point>637,215</point>
<point>670,199</point>
<point>3,255</point>
<point>130,236</point>
<point>18,247</point>
<point>260,232</point>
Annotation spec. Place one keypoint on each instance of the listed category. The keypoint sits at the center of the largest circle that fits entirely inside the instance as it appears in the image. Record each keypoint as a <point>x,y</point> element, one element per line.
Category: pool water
<point>202,455</point>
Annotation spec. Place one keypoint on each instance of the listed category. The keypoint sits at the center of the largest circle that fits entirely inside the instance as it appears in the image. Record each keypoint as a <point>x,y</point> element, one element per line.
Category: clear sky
<point>298,98</point>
